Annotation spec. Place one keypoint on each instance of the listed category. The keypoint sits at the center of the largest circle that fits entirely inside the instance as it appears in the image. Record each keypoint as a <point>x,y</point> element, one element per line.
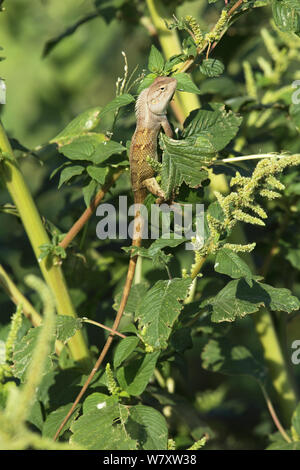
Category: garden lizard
<point>151,108</point>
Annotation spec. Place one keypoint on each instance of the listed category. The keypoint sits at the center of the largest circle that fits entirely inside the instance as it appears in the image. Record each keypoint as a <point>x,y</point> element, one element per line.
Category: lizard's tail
<point>137,240</point>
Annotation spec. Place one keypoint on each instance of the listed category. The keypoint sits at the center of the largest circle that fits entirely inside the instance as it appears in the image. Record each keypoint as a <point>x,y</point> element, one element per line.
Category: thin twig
<point>75,229</point>
<point>188,63</point>
<point>115,332</point>
<point>235,7</point>
<point>274,415</point>
<point>251,157</point>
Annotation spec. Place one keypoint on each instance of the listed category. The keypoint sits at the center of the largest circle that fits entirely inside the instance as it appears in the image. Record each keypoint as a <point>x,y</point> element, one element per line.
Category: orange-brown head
<point>160,93</point>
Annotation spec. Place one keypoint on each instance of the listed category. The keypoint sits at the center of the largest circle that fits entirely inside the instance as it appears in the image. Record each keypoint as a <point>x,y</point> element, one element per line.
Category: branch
<point>75,229</point>
<point>14,182</point>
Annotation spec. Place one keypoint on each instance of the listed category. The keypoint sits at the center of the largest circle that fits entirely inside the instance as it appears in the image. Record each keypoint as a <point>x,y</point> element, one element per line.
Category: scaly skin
<point>151,110</point>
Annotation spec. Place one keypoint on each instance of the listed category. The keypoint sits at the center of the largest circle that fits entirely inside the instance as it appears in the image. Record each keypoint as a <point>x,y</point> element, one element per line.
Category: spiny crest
<point>142,99</point>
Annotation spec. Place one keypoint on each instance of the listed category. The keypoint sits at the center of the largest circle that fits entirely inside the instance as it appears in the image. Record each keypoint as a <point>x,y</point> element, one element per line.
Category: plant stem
<point>79,224</point>
<point>274,358</point>
<point>100,325</point>
<point>16,186</point>
<point>273,355</point>
<point>20,409</point>
<point>252,157</point>
<point>274,415</point>
<point>18,298</point>
<point>170,45</point>
<point>197,268</point>
<point>138,271</point>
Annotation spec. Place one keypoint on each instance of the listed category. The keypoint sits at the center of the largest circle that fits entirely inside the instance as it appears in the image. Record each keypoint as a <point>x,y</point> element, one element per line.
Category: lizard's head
<point>160,92</point>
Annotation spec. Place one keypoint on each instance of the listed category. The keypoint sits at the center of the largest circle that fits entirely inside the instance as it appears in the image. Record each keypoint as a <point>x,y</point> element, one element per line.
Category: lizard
<point>151,108</point>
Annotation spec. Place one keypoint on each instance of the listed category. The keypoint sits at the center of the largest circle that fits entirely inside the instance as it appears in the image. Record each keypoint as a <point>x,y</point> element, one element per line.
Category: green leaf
<point>68,173</point>
<point>159,310</point>
<point>66,327</point>
<point>82,124</point>
<point>214,128</point>
<point>161,243</point>
<point>212,67</point>
<point>106,150</point>
<point>220,356</point>
<point>117,103</point>
<point>149,427</point>
<point>296,423</point>
<point>295,115</point>
<point>82,148</point>
<point>174,60</point>
<point>36,415</point>
<point>156,61</point>
<point>283,445</point>
<point>98,173</point>
<point>54,419</point>
<point>228,262</point>
<point>189,47</point>
<point>103,429</point>
<point>146,82</point>
<point>89,192</point>
<point>23,352</point>
<point>137,292</point>
<point>182,161</point>
<point>135,377</point>
<point>238,299</point>
<point>154,252</point>
<point>97,401</point>
<point>119,427</point>
<point>185,83</point>
<point>92,148</point>
<point>125,347</point>
<point>286,14</point>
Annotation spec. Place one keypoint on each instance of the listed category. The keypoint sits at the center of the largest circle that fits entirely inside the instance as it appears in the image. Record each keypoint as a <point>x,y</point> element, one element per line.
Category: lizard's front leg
<point>166,127</point>
<point>153,187</point>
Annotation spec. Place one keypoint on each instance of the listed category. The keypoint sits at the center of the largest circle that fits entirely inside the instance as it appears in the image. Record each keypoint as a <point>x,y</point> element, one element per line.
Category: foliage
<point>194,351</point>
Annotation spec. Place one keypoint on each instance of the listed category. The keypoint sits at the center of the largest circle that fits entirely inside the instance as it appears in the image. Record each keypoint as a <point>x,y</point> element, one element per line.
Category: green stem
<point>100,325</point>
<point>275,361</point>
<point>21,410</point>
<point>138,271</point>
<point>170,45</point>
<point>18,298</point>
<point>274,358</point>
<point>16,186</point>
<point>274,415</point>
<point>263,322</point>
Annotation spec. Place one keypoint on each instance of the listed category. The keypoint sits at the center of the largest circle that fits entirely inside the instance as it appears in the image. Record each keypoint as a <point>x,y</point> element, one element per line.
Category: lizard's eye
<point>162,88</point>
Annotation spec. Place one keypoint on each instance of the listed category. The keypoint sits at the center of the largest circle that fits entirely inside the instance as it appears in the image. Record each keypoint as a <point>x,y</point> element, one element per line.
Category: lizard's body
<point>151,116</point>
<point>151,110</point>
